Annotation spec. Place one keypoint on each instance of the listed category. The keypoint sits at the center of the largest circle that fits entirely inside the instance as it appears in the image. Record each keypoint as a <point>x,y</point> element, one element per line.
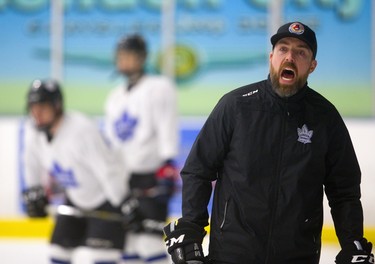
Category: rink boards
<point>14,224</point>
<point>41,228</point>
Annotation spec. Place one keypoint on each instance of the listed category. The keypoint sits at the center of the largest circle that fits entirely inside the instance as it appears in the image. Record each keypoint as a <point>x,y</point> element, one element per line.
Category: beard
<point>286,90</point>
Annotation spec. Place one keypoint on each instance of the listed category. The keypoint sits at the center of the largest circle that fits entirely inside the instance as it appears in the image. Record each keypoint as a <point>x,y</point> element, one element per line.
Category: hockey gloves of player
<point>130,211</point>
<point>166,177</point>
<point>184,242</point>
<point>358,252</point>
<point>35,200</point>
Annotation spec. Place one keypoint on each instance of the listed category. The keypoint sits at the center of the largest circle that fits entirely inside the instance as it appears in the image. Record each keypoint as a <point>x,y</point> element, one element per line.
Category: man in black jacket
<point>273,148</point>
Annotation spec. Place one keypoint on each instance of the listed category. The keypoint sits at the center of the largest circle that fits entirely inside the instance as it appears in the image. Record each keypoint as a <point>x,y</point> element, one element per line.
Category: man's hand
<point>184,242</point>
<point>358,252</point>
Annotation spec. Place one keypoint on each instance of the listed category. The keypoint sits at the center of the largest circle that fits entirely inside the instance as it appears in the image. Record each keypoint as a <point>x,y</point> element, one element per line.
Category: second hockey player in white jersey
<point>141,121</point>
<point>67,148</point>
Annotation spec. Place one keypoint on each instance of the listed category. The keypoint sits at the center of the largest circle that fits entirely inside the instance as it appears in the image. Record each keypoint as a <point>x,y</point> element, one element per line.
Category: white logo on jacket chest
<point>304,134</point>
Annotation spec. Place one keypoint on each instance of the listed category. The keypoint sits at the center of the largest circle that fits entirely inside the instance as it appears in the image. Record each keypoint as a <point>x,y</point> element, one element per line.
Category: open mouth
<point>288,74</point>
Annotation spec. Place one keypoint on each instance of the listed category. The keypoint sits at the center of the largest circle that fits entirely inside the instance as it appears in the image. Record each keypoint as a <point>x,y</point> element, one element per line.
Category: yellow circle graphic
<point>186,61</point>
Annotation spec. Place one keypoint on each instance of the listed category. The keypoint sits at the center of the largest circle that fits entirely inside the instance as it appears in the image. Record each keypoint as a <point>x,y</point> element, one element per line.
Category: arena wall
<point>13,222</point>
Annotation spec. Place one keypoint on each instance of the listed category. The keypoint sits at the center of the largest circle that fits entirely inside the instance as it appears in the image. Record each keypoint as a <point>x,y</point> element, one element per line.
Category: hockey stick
<point>75,212</point>
<point>148,224</point>
<point>129,210</point>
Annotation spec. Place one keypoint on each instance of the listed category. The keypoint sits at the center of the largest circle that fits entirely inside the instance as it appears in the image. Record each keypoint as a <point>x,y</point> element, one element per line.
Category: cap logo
<point>36,84</point>
<point>296,28</point>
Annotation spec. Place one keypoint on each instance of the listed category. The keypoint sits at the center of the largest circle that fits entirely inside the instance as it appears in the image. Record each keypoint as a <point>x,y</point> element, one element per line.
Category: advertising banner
<point>220,45</point>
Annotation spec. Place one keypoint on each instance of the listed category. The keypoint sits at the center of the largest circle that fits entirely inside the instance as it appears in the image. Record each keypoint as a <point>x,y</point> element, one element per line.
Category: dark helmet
<point>44,91</point>
<point>134,43</point>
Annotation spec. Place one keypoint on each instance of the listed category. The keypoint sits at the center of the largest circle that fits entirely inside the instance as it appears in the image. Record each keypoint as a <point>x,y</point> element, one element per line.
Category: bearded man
<point>273,147</point>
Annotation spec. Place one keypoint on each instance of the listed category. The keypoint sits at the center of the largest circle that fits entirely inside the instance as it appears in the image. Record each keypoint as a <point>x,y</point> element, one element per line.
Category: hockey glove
<point>166,177</point>
<point>35,200</point>
<point>184,242</point>
<point>130,211</point>
<point>358,252</point>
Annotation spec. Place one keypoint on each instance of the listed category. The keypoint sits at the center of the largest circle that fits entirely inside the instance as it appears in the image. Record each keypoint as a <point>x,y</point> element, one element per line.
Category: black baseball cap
<point>297,30</point>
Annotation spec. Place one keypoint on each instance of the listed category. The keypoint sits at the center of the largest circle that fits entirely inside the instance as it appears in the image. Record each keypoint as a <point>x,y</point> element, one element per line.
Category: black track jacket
<point>272,158</point>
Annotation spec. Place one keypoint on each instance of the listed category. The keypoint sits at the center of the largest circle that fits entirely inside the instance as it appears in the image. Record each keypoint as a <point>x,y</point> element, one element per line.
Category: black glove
<point>358,252</point>
<point>184,242</point>
<point>131,213</point>
<point>35,200</point>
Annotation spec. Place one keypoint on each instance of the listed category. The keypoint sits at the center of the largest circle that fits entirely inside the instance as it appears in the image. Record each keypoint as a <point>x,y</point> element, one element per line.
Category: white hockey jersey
<point>78,159</point>
<point>143,122</point>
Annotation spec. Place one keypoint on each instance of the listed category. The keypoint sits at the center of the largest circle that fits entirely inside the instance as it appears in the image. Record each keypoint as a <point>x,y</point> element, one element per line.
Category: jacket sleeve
<point>204,162</point>
<point>342,185</point>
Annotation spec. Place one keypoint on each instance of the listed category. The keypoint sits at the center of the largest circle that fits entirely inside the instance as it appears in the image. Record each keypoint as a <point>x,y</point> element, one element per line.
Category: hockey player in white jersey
<point>69,148</point>
<point>141,120</point>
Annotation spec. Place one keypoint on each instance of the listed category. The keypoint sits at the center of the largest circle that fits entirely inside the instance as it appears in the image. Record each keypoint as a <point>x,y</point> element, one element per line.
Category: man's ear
<point>313,65</point>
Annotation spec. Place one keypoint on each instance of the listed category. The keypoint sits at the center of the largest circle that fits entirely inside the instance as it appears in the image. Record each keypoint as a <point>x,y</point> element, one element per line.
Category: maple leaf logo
<point>124,126</point>
<point>304,134</point>
<point>63,176</point>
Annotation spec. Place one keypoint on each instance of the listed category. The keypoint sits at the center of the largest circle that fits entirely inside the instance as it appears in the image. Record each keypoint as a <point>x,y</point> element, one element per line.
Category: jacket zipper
<point>276,190</point>
<point>224,216</point>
